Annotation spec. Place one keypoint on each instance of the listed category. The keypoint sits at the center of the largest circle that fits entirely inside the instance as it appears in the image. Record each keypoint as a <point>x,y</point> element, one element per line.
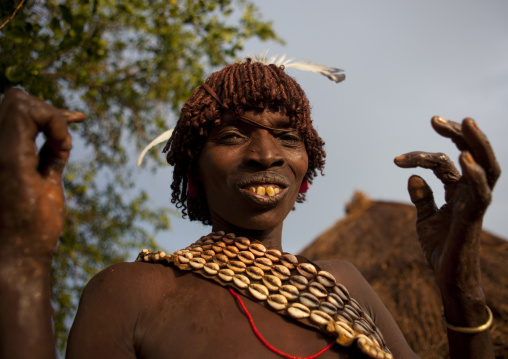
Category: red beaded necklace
<point>263,340</point>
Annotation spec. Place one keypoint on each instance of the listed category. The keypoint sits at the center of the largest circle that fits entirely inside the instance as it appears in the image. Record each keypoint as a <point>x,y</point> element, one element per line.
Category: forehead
<point>269,118</point>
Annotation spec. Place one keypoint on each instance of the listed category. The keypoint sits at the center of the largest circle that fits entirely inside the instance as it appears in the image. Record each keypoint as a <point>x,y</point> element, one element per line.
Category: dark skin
<point>146,310</point>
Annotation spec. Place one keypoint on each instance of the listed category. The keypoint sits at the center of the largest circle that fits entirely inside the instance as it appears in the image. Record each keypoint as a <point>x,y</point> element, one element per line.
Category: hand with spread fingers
<point>450,235</point>
<point>30,183</point>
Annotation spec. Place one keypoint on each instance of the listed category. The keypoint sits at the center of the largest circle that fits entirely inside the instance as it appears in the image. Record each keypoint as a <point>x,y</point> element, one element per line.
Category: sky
<point>405,61</point>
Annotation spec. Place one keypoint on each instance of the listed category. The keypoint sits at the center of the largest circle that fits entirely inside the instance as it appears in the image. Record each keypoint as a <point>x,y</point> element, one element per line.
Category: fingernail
<point>400,158</point>
<point>473,122</point>
<point>440,119</point>
<point>469,158</point>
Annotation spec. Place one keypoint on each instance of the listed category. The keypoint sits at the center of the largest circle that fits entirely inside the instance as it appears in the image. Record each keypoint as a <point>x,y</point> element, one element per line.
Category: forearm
<point>26,329</point>
<point>467,309</point>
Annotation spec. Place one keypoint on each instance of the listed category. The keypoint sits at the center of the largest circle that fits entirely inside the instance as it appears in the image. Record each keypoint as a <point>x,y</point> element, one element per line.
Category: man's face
<point>251,175</point>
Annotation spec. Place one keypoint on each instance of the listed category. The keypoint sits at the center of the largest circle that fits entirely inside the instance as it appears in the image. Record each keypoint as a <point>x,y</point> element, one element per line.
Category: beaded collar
<point>290,285</point>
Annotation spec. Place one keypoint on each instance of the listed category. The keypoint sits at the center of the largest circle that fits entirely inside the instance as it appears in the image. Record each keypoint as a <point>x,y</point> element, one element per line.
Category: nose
<point>263,151</point>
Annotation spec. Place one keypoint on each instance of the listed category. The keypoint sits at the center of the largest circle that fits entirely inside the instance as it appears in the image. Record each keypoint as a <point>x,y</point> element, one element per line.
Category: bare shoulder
<point>111,305</point>
<point>345,272</point>
<point>131,275</point>
<point>348,275</point>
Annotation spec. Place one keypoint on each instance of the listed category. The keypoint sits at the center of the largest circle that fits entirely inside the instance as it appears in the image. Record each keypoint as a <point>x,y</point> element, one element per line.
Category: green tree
<point>126,64</point>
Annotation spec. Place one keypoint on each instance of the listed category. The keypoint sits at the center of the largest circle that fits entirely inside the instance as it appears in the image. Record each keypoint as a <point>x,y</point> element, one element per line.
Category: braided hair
<point>241,87</point>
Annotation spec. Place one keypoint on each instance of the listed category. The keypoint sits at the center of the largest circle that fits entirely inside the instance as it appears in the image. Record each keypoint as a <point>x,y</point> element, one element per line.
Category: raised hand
<point>450,235</point>
<point>32,205</point>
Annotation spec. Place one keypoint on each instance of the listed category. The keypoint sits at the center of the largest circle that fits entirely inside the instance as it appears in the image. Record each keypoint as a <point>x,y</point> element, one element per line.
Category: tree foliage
<point>126,64</point>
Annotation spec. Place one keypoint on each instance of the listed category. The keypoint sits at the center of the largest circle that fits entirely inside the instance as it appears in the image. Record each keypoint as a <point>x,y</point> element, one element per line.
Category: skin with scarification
<point>140,310</point>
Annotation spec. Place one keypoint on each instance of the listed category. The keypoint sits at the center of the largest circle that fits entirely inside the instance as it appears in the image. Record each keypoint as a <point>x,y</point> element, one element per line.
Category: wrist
<point>465,307</point>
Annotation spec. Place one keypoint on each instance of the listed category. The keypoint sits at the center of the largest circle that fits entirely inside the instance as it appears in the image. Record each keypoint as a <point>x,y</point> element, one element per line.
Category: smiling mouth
<point>265,187</point>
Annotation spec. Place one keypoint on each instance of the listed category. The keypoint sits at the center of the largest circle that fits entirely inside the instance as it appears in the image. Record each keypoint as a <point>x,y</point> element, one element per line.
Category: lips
<point>264,188</point>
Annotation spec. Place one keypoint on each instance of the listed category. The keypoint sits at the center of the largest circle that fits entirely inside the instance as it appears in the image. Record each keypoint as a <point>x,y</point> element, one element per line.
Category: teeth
<point>269,191</point>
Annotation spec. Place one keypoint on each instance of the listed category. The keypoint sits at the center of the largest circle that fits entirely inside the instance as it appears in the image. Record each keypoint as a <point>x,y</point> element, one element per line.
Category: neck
<point>271,238</point>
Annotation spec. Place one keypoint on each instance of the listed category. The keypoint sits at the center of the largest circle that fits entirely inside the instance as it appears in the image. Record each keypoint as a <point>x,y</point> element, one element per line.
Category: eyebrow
<point>242,118</point>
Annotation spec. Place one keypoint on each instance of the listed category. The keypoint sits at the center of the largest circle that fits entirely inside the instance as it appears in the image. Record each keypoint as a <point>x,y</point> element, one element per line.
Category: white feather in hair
<point>161,138</point>
<point>332,73</point>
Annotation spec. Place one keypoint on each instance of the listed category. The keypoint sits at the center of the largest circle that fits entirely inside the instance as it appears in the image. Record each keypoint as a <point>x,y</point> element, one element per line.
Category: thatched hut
<point>380,239</point>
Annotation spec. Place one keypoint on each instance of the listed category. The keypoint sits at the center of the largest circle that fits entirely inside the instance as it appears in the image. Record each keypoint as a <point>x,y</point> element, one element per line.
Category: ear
<point>304,187</point>
<point>192,187</point>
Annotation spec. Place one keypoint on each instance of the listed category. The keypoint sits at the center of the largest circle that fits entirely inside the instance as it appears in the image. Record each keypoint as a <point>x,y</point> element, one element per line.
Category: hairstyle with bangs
<point>241,87</point>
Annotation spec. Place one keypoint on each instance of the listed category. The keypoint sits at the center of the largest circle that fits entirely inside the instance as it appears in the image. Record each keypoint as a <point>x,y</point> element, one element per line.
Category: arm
<point>450,235</point>
<point>110,316</point>
<point>31,218</point>
<point>358,287</point>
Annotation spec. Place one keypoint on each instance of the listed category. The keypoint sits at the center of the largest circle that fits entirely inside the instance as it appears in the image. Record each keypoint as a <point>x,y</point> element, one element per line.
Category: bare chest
<point>200,319</point>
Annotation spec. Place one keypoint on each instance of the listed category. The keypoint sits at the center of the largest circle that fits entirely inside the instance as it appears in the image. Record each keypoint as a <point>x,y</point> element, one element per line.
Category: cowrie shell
<point>361,328</point>
<point>227,240</point>
<point>226,274</point>
<point>328,308</point>
<point>231,251</point>
<point>289,291</point>
<point>211,268</point>
<point>309,300</point>
<point>221,259</point>
<point>307,270</point>
<point>335,300</point>
<point>280,271</point>
<point>242,243</point>
<point>257,249</point>
<point>298,311</point>
<point>319,317</point>
<point>326,279</point>
<point>241,281</point>
<point>263,263</point>
<point>246,257</point>
<point>341,291</point>
<point>197,263</point>
<point>290,258</point>
<point>318,290</point>
<point>237,266</point>
<point>258,291</point>
<point>207,255</point>
<point>255,273</point>
<point>272,282</point>
<point>277,301</point>
<point>273,254</point>
<point>299,281</point>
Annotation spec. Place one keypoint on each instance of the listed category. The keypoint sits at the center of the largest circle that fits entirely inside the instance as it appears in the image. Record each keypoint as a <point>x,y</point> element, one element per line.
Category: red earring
<point>192,188</point>
<point>304,187</point>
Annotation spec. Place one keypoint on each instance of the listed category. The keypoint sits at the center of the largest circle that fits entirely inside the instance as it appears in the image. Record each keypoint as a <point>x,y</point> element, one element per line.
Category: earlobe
<point>192,188</point>
<point>304,187</point>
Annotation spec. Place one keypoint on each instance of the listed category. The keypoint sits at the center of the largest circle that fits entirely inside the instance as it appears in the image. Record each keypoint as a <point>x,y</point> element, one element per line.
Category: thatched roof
<point>380,239</point>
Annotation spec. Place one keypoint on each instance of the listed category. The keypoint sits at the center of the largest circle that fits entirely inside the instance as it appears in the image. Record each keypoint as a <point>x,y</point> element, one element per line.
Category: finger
<point>481,150</point>
<point>422,197</point>
<point>478,185</point>
<point>73,116</point>
<point>439,163</point>
<point>451,130</point>
<point>21,117</point>
<point>52,160</point>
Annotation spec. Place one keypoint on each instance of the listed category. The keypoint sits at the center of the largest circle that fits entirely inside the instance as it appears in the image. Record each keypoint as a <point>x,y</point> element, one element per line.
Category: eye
<point>290,138</point>
<point>230,137</point>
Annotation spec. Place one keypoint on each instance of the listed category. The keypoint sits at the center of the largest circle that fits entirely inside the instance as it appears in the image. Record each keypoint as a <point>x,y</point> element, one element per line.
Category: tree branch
<point>13,14</point>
